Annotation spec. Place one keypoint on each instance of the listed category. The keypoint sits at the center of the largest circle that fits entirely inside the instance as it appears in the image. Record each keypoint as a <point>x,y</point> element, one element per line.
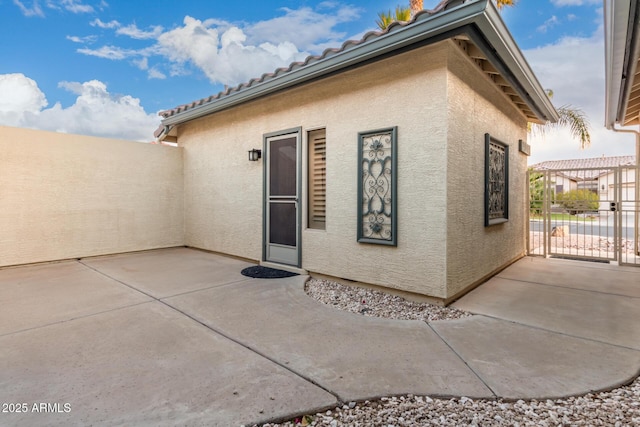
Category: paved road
<point>603,227</point>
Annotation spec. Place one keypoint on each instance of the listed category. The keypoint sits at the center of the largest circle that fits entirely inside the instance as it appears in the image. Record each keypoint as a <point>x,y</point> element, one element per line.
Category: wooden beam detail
<point>474,52</point>
<point>500,81</point>
<point>488,68</point>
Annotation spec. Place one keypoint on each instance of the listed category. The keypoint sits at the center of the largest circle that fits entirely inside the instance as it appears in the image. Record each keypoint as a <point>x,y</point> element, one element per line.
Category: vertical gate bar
<point>636,203</point>
<point>528,223</point>
<point>546,214</point>
<point>617,217</point>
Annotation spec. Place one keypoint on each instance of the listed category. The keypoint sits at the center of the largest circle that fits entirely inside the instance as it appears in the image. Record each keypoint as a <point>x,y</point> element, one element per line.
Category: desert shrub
<point>577,201</point>
<point>536,192</point>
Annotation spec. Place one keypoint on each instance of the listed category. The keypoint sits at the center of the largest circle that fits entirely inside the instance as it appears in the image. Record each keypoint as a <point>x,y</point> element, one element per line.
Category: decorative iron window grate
<point>377,172</point>
<point>496,199</point>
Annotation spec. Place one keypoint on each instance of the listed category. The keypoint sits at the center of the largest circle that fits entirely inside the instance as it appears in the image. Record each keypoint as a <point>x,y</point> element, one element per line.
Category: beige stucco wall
<point>67,196</point>
<point>476,108</point>
<point>223,191</point>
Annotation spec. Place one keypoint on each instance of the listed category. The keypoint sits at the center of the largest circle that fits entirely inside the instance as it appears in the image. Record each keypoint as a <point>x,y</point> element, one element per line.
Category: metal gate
<point>588,213</point>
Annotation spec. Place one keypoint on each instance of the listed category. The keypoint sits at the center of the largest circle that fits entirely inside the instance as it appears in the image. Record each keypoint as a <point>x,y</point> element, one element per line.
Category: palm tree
<point>502,3</point>
<point>416,6</point>
<point>385,19</point>
<point>573,118</point>
<point>569,116</point>
<point>404,14</point>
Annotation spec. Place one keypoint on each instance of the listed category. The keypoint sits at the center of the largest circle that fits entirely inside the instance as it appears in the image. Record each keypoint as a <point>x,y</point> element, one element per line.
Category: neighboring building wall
<point>628,190</point>
<point>475,108</point>
<point>68,196</point>
<point>566,183</point>
<point>224,191</point>
<point>607,189</point>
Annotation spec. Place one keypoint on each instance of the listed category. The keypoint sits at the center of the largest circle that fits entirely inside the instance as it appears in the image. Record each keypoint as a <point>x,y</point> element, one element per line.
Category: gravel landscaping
<point>374,303</point>
<point>581,244</point>
<point>618,407</point>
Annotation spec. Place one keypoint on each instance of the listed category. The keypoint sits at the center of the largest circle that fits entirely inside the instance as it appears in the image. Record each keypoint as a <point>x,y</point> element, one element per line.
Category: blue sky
<point>106,67</point>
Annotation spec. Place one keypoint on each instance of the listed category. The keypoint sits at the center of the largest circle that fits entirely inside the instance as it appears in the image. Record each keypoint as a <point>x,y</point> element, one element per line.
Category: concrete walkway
<point>180,337</point>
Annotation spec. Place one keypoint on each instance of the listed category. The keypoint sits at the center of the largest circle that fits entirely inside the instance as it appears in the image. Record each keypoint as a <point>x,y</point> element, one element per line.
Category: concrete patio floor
<point>180,337</point>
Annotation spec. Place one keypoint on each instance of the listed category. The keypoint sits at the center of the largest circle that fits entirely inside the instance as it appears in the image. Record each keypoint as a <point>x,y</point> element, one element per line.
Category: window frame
<point>488,220</point>
<point>393,186</point>
<point>312,223</point>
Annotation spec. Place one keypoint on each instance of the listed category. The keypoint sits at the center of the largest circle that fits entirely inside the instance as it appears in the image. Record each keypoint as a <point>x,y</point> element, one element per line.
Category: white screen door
<point>282,216</point>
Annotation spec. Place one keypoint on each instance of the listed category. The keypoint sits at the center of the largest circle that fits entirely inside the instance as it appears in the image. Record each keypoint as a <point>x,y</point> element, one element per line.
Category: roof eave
<point>481,14</point>
<point>517,68</point>
<point>621,57</point>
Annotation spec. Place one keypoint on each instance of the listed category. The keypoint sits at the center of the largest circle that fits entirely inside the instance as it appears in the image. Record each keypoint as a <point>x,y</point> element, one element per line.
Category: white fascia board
<point>498,36</point>
<point>616,21</point>
<point>479,13</point>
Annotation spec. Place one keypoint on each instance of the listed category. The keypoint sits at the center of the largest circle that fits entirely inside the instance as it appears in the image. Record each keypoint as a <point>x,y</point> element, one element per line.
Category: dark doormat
<point>260,272</point>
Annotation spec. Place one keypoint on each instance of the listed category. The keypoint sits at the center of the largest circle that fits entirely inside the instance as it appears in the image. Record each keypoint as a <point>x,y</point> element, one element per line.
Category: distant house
<point>598,174</point>
<point>395,160</point>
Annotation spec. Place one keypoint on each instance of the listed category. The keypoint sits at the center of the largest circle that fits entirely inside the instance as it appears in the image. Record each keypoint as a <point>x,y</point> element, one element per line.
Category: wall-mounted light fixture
<point>255,155</point>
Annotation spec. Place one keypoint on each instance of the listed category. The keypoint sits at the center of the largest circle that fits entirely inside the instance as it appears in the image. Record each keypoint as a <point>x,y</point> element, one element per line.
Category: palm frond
<point>502,3</point>
<point>578,122</point>
<point>403,13</point>
<point>387,18</point>
<point>571,117</point>
<point>384,20</point>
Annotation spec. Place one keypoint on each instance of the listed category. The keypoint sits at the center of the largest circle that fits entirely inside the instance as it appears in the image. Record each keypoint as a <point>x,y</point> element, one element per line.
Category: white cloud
<point>130,30</point>
<point>308,29</point>
<point>232,53</point>
<point>20,95</point>
<point>192,42</point>
<point>561,3</point>
<point>135,33</point>
<point>574,69</point>
<point>549,23</point>
<point>224,56</point>
<point>154,73</point>
<point>76,6</point>
<point>34,10</point>
<point>94,112</point>
<point>109,52</point>
<point>73,6</point>
<point>85,39</point>
<point>142,64</point>
<point>98,23</point>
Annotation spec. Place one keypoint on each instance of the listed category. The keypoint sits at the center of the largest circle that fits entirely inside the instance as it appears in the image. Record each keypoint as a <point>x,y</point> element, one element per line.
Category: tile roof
<point>349,44</point>
<point>597,166</point>
<point>594,162</point>
<point>514,77</point>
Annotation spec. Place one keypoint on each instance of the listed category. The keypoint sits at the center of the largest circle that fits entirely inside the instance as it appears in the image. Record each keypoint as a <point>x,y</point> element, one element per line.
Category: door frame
<point>297,132</point>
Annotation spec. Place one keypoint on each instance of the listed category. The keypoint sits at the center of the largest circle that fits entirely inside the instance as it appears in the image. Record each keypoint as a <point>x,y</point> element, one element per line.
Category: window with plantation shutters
<point>317,179</point>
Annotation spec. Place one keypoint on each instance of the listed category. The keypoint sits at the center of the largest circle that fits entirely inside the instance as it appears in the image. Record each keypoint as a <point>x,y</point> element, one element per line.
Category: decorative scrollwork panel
<point>496,181</point>
<point>377,187</point>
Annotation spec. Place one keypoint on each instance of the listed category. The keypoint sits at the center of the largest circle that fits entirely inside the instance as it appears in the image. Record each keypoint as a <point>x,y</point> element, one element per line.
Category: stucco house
<point>395,160</point>
<point>597,174</point>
